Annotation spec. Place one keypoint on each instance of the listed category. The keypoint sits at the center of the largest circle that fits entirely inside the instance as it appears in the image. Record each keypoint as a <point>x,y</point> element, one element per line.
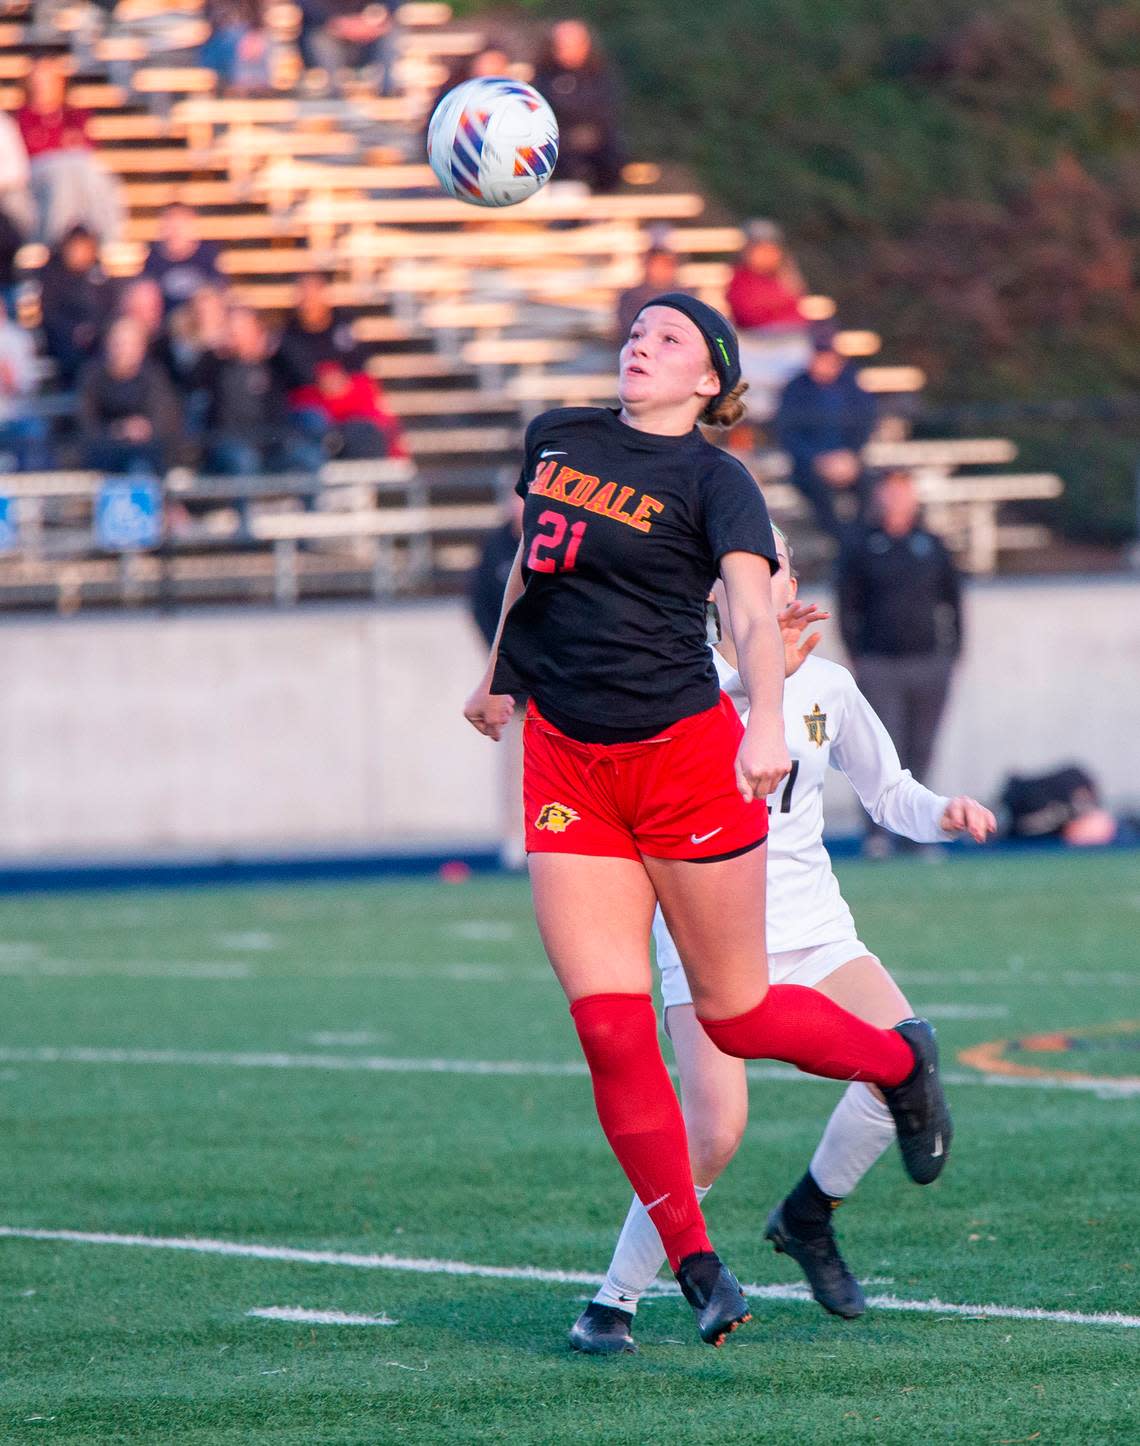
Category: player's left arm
<point>862,748</point>
<point>762,760</point>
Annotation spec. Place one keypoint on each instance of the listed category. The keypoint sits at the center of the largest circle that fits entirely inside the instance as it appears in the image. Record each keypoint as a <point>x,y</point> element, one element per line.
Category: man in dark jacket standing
<point>900,611</point>
<point>823,422</point>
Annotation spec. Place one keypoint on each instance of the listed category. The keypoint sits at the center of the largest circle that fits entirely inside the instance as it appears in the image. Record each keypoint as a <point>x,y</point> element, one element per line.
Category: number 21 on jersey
<point>556,543</point>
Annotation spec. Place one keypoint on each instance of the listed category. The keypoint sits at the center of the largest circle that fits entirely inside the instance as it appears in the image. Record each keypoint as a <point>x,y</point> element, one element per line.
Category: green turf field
<point>249,1065</point>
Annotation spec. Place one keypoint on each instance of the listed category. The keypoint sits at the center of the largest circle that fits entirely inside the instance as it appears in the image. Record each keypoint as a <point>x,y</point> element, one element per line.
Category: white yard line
<point>534,1273</point>
<point>388,1064</point>
<point>319,1317</point>
<point>78,969</point>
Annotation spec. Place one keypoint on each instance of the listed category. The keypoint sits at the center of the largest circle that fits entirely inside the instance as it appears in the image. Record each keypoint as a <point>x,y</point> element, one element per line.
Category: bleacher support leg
<point>285,572</point>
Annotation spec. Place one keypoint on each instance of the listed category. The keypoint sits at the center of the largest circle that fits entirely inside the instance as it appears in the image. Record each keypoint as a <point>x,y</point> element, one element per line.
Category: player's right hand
<point>762,760</point>
<point>489,712</point>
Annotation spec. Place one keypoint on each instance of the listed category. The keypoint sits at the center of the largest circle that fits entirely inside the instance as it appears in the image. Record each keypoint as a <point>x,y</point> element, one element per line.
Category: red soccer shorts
<point>672,796</point>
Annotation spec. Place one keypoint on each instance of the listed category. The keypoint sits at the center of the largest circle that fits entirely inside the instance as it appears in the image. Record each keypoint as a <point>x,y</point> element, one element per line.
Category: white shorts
<point>793,966</point>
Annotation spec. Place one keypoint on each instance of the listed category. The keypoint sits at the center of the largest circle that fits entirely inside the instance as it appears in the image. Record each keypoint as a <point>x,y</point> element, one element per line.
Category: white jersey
<point>827,721</point>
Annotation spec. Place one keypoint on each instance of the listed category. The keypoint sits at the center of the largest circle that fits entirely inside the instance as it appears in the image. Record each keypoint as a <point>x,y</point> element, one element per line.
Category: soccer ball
<point>492,141</point>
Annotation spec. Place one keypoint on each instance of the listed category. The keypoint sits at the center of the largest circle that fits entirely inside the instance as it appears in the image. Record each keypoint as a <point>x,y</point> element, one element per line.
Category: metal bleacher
<point>473,321</point>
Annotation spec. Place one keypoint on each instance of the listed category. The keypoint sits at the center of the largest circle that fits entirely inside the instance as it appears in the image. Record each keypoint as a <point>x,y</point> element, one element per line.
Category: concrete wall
<point>342,729</point>
<point>241,731</point>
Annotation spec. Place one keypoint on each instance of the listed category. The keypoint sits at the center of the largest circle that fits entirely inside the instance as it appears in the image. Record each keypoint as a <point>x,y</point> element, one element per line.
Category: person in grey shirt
<point>899,599</point>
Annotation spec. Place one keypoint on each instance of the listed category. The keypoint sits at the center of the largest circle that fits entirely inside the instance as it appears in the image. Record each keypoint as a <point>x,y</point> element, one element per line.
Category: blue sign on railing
<point>128,514</point>
<point>9,525</point>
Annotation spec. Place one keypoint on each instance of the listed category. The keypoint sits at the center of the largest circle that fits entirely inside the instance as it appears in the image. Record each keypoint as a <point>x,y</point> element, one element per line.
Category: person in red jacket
<point>766,287</point>
<point>348,410</point>
<point>68,184</point>
<point>763,296</point>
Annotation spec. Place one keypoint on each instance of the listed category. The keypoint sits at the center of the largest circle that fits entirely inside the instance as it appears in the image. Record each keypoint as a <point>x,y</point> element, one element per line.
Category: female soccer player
<point>640,783</point>
<point>812,941</point>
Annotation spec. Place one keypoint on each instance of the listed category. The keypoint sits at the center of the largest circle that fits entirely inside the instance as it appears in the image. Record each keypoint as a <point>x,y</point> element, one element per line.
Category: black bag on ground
<point>1040,806</point>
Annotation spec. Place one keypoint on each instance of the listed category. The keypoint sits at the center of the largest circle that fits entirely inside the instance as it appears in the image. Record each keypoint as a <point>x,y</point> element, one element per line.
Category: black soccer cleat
<point>832,1284</point>
<point>603,1330</point>
<point>919,1108</point>
<point>714,1293</point>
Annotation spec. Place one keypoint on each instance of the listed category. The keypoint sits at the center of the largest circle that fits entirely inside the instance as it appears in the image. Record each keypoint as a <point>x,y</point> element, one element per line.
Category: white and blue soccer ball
<point>492,141</point>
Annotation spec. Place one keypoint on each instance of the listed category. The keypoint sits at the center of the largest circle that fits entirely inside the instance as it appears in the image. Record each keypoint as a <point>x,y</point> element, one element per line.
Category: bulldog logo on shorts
<point>557,817</point>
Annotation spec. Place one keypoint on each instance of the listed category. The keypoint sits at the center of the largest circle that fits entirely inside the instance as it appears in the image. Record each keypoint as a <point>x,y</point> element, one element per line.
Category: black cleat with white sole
<point>714,1293</point>
<point>817,1255</point>
<point>603,1330</point>
<point>919,1108</point>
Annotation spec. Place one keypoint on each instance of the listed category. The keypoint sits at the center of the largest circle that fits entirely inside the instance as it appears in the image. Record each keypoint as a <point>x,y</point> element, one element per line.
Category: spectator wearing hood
<point>823,421</point>
<point>77,302</point>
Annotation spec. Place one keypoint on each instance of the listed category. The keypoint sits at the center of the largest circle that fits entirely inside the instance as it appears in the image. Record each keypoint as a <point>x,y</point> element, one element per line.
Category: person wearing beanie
<point>823,421</point>
<point>641,784</point>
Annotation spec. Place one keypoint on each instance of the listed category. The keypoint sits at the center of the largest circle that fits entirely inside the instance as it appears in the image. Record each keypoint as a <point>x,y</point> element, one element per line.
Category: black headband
<point>717,330</point>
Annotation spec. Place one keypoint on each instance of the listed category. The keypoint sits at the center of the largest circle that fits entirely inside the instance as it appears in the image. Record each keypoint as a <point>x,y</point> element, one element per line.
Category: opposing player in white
<point>811,941</point>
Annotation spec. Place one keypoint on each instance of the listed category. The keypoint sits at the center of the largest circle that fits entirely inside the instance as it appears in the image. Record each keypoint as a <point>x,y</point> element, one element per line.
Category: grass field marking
<point>1103,1088</point>
<point>534,1273</point>
<point>964,1011</point>
<point>380,1064</point>
<point>249,941</point>
<point>990,1057</point>
<point>299,1314</point>
<point>77,969</point>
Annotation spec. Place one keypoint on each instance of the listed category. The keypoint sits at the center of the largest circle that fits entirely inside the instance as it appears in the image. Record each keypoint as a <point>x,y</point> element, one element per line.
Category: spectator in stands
<point>129,418</point>
<point>196,337</point>
<point>349,414</point>
<point>900,611</point>
<point>238,49</point>
<point>68,183</point>
<point>141,299</point>
<point>77,302</point>
<point>180,261</point>
<point>17,214</point>
<point>339,35</point>
<point>824,421</point>
<point>15,198</point>
<point>247,420</point>
<point>315,333</point>
<point>763,298</point>
<point>582,91</point>
<point>659,275</point>
<point>491,60</point>
<point>765,287</point>
<point>23,432</point>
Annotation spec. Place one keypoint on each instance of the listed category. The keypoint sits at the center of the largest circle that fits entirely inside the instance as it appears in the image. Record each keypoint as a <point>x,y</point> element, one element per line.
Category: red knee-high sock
<point>638,1110</point>
<point>807,1029</point>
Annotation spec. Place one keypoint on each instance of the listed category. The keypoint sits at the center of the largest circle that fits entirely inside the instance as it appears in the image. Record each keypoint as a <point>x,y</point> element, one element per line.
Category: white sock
<point>859,1130</point>
<point>638,1256</point>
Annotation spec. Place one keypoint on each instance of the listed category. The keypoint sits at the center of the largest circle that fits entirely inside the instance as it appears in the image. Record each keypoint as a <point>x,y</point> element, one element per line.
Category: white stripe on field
<point>534,1273</point>
<point>319,1317</point>
<point>388,1064</point>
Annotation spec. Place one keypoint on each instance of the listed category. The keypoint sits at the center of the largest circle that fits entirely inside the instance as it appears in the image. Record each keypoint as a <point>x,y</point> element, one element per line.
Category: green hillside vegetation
<point>964,178</point>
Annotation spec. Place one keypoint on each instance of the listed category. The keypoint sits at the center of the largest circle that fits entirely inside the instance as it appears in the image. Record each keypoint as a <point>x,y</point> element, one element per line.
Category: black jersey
<point>623,532</point>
